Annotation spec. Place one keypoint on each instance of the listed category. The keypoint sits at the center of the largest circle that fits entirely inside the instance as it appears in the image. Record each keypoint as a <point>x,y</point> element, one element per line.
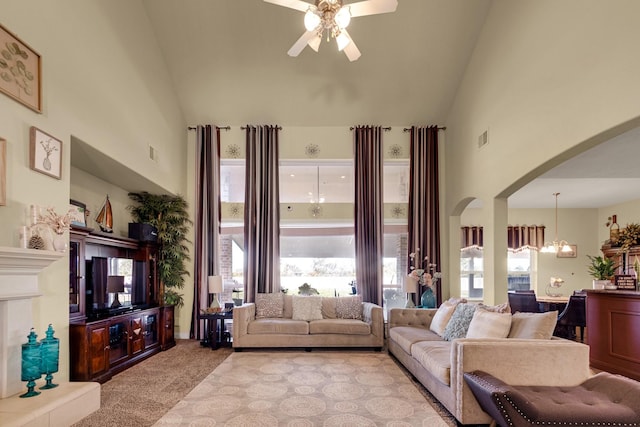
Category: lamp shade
<point>215,284</point>
<point>115,284</point>
<point>410,284</point>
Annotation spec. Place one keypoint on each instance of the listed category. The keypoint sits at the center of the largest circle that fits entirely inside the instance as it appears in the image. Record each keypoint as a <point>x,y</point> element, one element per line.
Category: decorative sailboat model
<point>105,217</point>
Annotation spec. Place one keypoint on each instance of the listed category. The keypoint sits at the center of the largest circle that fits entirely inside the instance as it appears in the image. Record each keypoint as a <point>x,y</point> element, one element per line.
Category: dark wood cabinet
<point>103,348</point>
<point>167,339</point>
<point>105,340</point>
<point>613,325</point>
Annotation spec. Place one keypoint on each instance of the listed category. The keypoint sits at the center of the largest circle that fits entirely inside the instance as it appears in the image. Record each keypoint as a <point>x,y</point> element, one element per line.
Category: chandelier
<point>330,17</point>
<point>557,245</point>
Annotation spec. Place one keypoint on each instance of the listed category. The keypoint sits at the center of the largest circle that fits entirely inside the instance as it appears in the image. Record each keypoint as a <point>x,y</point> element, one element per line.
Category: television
<point>135,282</point>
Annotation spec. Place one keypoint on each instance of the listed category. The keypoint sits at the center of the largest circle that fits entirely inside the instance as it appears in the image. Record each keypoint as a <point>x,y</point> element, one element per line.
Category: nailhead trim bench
<point>602,400</point>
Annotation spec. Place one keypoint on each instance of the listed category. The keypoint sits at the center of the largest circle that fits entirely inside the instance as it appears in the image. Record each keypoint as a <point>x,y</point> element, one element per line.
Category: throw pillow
<point>459,322</point>
<point>328,308</point>
<point>307,307</point>
<point>444,313</point>
<point>349,307</point>
<point>538,326</point>
<point>489,324</point>
<point>269,305</point>
<point>500,308</point>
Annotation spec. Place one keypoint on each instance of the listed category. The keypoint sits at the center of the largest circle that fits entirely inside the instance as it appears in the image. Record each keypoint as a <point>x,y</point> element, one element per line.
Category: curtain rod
<point>217,127</point>
<point>244,127</point>
<point>439,128</point>
<point>388,128</point>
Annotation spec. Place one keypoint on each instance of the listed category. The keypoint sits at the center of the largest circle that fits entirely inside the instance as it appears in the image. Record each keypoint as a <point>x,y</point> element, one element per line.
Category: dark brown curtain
<point>518,237</point>
<point>424,194</point>
<point>525,236</point>
<point>470,236</point>
<point>207,220</point>
<point>261,212</point>
<point>368,223</point>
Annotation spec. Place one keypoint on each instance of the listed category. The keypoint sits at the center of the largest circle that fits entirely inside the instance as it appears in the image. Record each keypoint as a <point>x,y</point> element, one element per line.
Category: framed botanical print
<point>45,153</point>
<point>20,69</point>
<point>3,172</point>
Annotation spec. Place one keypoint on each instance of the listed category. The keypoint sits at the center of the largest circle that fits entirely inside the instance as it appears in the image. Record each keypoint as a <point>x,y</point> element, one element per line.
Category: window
<point>521,270</point>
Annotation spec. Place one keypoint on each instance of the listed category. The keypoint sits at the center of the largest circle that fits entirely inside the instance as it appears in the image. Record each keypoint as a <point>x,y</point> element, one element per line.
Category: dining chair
<point>574,315</point>
<point>523,302</point>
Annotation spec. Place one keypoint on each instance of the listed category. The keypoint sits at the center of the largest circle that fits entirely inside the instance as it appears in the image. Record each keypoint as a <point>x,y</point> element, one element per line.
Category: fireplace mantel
<point>19,270</point>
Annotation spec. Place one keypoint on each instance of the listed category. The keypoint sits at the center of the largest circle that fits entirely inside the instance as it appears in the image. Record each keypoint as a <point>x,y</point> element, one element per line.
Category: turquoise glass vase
<point>31,360</point>
<point>428,298</point>
<point>50,357</point>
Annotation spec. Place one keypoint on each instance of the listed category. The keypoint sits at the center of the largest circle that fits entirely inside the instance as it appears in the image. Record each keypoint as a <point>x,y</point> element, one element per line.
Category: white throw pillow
<point>489,324</point>
<point>307,307</point>
<point>444,313</point>
<point>538,326</point>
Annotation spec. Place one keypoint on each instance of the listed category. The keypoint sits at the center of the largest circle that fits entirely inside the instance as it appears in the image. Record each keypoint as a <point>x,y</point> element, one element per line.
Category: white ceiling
<point>229,65</point>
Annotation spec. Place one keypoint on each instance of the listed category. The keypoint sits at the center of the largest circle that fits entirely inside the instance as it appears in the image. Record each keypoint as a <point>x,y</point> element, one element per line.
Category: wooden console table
<point>613,322</point>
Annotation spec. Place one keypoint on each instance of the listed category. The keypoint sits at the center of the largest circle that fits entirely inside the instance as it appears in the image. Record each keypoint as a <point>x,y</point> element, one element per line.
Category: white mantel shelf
<point>25,261</point>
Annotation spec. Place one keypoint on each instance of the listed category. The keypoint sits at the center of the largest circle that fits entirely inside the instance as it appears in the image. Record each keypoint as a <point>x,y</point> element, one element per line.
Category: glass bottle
<point>614,229</point>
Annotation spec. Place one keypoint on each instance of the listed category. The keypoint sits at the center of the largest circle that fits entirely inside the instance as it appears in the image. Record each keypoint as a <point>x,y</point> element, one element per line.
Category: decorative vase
<point>50,351</point>
<point>31,361</point>
<point>59,243</point>
<point>428,298</point>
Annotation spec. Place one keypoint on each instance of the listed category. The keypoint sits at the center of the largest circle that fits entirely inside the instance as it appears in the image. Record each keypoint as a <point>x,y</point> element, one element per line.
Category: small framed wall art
<point>45,153</point>
<point>570,254</point>
<point>3,172</point>
<point>20,71</point>
<point>77,212</point>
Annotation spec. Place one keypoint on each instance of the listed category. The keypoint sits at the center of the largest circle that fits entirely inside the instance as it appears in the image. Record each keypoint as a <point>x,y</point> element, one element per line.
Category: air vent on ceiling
<point>483,139</point>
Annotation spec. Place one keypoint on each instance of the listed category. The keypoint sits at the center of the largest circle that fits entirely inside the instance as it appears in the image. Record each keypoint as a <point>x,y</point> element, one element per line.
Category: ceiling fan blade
<point>300,5</point>
<point>351,50</point>
<point>301,43</point>
<point>372,7</point>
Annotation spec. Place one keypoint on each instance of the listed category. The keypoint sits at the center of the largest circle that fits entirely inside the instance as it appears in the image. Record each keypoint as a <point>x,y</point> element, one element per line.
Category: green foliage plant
<point>601,268</point>
<point>169,215</point>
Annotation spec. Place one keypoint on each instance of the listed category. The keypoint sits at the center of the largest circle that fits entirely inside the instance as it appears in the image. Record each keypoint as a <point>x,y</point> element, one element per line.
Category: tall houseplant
<point>169,215</point>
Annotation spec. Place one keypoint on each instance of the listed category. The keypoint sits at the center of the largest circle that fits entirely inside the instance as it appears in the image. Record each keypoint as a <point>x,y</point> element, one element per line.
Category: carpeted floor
<point>141,395</point>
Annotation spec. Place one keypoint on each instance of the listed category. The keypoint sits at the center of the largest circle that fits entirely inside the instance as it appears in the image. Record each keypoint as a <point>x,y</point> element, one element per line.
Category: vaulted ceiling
<point>229,64</point>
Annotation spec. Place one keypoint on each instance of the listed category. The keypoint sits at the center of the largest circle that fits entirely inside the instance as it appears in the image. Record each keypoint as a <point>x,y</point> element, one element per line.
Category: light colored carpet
<point>305,389</point>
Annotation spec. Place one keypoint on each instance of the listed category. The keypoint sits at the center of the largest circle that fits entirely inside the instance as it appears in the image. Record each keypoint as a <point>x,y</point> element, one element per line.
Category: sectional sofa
<point>279,320</point>
<point>523,355</point>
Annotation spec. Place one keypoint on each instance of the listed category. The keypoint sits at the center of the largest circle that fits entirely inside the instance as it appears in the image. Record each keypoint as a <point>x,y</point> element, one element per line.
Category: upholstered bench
<point>602,400</point>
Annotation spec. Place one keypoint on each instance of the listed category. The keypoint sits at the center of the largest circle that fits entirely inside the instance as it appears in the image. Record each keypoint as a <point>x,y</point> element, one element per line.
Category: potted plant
<point>169,215</point>
<point>602,270</point>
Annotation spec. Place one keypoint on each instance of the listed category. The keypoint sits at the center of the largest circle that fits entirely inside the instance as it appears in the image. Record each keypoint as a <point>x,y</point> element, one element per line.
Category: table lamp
<point>215,288</point>
<point>115,284</point>
<point>410,286</point>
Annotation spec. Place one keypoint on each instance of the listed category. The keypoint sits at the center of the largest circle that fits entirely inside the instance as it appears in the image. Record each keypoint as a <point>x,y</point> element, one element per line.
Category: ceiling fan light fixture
<point>343,41</point>
<point>311,19</point>
<point>343,17</point>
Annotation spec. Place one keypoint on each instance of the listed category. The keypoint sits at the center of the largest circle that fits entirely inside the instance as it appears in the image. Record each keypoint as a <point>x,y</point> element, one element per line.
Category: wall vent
<point>153,153</point>
<point>483,139</point>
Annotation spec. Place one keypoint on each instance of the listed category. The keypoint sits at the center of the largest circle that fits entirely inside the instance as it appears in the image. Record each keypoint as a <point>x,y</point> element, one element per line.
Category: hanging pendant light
<point>557,245</point>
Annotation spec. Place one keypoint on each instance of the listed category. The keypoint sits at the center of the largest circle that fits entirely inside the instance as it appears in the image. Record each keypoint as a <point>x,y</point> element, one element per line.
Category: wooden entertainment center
<point>106,339</point>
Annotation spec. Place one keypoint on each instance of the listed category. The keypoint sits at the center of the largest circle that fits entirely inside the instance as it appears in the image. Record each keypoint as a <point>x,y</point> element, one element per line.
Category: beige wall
<point>103,81</point>
<point>547,79</point>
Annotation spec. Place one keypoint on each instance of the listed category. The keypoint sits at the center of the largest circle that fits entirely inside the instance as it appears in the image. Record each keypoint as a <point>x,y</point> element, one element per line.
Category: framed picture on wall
<point>77,212</point>
<point>45,153</point>
<point>572,254</point>
<point>20,68</point>
<point>3,172</point>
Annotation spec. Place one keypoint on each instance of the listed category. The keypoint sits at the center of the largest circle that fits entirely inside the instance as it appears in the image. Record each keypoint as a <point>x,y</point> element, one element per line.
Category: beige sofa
<point>439,365</point>
<point>250,331</point>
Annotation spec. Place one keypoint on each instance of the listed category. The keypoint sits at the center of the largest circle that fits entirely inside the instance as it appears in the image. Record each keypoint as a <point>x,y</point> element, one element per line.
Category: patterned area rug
<point>305,389</point>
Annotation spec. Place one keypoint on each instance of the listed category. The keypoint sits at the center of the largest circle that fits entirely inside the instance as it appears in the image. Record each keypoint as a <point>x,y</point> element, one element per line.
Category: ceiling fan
<point>332,17</point>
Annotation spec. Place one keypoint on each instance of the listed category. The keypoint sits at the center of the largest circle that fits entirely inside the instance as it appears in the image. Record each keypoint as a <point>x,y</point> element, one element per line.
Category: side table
<point>215,336</point>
